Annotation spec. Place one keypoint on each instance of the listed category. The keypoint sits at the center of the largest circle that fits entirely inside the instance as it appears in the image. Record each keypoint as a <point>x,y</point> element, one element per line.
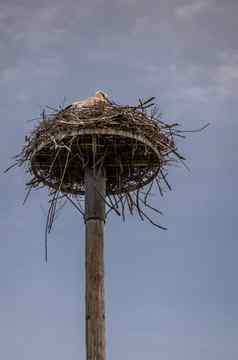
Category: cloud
<point>43,42</point>
<point>189,10</point>
<point>36,34</point>
<point>193,83</point>
<point>226,74</point>
<point>33,69</point>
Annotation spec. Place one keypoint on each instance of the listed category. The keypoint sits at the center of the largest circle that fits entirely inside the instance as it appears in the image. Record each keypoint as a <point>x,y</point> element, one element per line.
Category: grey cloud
<point>189,10</point>
<point>30,31</point>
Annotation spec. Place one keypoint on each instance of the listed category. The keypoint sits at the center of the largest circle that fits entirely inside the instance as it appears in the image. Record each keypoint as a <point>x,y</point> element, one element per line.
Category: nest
<point>130,143</point>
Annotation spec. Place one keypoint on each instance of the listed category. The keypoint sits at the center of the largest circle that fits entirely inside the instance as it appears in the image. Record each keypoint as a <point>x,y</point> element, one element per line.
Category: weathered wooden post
<point>95,192</point>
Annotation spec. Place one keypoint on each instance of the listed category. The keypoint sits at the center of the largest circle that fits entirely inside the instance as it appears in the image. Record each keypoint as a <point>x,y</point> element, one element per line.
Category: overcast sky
<point>169,294</point>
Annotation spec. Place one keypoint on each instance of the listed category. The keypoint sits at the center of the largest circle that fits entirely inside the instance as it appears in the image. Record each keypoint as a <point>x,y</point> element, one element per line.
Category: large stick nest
<point>130,143</point>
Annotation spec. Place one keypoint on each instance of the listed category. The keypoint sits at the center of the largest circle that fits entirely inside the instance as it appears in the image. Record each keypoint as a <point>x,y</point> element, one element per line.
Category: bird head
<point>102,95</point>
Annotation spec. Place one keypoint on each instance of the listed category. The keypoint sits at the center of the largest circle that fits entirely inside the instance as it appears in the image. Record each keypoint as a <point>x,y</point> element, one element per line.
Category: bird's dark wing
<point>67,107</point>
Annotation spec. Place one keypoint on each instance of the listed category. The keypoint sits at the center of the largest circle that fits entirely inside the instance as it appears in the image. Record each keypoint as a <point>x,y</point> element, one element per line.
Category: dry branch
<point>132,145</point>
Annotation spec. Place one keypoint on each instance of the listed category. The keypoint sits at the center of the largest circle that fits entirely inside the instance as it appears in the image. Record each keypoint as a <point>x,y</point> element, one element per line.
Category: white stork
<point>100,99</point>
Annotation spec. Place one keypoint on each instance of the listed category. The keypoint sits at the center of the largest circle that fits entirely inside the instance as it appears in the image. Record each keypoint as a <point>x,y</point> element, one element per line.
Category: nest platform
<point>130,144</point>
<point>131,147</point>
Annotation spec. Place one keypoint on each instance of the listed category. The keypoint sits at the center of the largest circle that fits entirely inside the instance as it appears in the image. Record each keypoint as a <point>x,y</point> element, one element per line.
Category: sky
<point>168,293</point>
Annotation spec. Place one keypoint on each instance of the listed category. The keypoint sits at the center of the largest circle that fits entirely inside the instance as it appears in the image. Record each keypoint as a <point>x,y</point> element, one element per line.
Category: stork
<point>100,99</point>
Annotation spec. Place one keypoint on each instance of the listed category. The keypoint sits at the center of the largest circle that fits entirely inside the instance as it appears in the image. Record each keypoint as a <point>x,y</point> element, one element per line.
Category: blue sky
<point>169,294</point>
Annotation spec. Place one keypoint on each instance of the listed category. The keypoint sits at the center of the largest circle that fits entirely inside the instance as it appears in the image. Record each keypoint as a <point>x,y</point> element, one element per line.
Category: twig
<point>75,205</point>
<point>27,194</point>
<point>10,167</point>
<point>106,202</point>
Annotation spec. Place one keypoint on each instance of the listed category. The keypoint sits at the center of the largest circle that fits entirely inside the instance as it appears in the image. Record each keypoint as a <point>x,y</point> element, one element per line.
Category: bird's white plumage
<point>100,99</point>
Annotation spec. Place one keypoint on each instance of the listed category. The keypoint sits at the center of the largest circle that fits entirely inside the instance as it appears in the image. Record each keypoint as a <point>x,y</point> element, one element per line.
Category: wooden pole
<point>95,188</point>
